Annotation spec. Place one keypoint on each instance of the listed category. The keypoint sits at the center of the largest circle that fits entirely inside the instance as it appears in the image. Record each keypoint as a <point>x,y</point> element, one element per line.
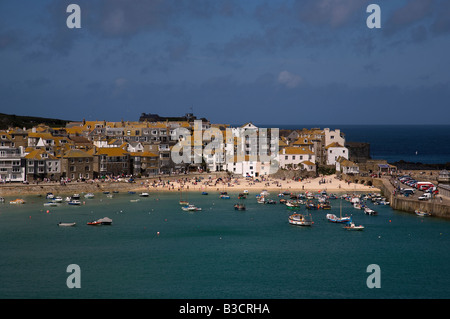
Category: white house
<point>294,157</point>
<point>345,166</point>
<point>334,151</point>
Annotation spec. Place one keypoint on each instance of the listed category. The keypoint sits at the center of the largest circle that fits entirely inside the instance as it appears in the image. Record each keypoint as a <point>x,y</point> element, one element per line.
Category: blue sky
<point>231,61</point>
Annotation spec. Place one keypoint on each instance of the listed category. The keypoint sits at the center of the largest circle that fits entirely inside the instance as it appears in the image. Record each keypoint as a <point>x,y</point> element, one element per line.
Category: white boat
<point>422,214</point>
<point>191,208</point>
<point>57,199</point>
<point>89,195</point>
<point>300,220</point>
<point>334,219</point>
<point>369,211</point>
<point>2,200</point>
<point>357,205</point>
<point>134,200</point>
<point>74,202</point>
<point>66,224</point>
<point>76,196</point>
<point>50,196</point>
<point>352,226</point>
<point>144,194</point>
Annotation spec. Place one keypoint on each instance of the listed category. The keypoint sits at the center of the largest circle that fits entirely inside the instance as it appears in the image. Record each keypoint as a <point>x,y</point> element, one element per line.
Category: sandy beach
<point>331,184</point>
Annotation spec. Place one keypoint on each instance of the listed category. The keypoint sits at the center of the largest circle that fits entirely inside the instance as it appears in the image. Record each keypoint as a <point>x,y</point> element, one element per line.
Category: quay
<point>438,206</point>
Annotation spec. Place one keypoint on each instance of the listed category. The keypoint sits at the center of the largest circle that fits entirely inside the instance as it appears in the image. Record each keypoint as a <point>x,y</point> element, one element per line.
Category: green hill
<point>12,120</point>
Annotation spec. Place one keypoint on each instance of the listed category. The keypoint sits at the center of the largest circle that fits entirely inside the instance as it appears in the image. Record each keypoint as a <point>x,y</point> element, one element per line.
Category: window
<point>293,157</point>
<point>286,157</point>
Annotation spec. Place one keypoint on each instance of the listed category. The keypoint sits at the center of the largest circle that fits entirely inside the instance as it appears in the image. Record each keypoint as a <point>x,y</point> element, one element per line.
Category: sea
<point>155,250</point>
<point>427,144</point>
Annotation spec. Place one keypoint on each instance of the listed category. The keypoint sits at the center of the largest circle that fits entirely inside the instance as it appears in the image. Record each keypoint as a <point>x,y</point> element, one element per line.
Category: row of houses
<point>92,149</point>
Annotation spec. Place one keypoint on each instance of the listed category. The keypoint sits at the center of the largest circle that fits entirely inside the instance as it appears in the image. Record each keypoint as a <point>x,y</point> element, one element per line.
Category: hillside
<point>12,120</point>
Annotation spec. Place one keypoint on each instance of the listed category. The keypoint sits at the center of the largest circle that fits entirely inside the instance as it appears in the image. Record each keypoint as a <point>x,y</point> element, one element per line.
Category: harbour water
<point>155,250</point>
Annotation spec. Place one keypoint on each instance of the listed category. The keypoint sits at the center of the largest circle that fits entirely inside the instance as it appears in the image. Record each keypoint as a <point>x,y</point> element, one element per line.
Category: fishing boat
<point>239,206</point>
<point>191,208</point>
<point>66,224</point>
<point>369,211</point>
<point>101,221</point>
<point>89,195</point>
<point>422,214</point>
<point>352,226</point>
<point>300,220</point>
<point>74,202</point>
<point>17,201</point>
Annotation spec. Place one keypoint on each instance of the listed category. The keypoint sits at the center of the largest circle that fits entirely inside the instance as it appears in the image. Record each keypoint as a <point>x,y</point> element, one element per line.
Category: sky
<point>281,62</point>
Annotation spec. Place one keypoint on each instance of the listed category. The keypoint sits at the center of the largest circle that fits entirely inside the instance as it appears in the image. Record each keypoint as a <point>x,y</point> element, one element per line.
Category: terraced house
<point>41,165</point>
<point>78,164</point>
<point>113,161</point>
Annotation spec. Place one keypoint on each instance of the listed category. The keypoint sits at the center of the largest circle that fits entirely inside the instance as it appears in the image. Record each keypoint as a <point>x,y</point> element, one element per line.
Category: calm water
<point>218,252</point>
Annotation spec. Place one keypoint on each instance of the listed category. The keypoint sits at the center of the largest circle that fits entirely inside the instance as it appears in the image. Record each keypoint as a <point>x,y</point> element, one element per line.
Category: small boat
<point>292,205</point>
<point>57,199</point>
<point>369,211</point>
<point>224,196</point>
<point>325,206</point>
<point>239,207</point>
<point>50,196</point>
<point>76,196</point>
<point>109,195</point>
<point>246,191</point>
<point>270,201</point>
<point>204,193</point>
<point>74,202</point>
<point>357,205</point>
<point>311,206</point>
<point>101,221</point>
<point>190,208</point>
<point>2,200</point>
<point>89,195</point>
<point>131,192</point>
<point>53,204</point>
<point>242,196</point>
<point>17,201</point>
<point>144,194</point>
<point>134,200</point>
<point>300,220</point>
<point>184,202</point>
<point>334,219</point>
<point>422,214</point>
<point>261,200</point>
<point>352,226</point>
<point>66,224</point>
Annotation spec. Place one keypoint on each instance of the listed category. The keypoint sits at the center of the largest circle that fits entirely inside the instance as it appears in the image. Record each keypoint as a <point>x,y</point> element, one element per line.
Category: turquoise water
<point>218,252</point>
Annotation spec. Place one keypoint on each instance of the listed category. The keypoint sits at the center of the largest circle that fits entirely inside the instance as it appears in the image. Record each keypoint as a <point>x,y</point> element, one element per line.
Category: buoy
<point>48,211</point>
<point>157,233</point>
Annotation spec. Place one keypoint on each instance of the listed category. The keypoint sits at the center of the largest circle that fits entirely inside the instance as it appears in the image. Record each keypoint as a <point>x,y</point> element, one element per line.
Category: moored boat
<point>101,221</point>
<point>191,208</point>
<point>369,211</point>
<point>17,201</point>
<point>352,226</point>
<point>144,194</point>
<point>74,202</point>
<point>334,219</point>
<point>300,220</point>
<point>66,224</point>
<point>239,207</point>
<point>89,195</point>
<point>53,204</point>
<point>422,214</point>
